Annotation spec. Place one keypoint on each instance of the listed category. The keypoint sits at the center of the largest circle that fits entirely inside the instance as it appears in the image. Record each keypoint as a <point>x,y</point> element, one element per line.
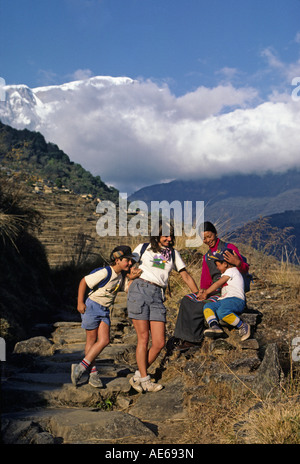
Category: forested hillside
<point>28,152</point>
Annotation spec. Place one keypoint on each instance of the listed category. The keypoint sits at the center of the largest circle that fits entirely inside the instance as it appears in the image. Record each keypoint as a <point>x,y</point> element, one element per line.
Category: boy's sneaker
<point>76,372</point>
<point>95,381</point>
<point>214,331</point>
<point>135,383</point>
<point>148,386</point>
<point>244,331</point>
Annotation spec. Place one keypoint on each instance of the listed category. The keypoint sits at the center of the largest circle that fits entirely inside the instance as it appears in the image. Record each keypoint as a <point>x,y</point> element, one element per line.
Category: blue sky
<point>212,84</point>
<point>185,43</point>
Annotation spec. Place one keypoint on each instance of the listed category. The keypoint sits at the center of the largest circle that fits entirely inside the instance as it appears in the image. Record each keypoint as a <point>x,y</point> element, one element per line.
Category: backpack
<point>106,279</point>
<point>248,278</point>
<point>103,281</point>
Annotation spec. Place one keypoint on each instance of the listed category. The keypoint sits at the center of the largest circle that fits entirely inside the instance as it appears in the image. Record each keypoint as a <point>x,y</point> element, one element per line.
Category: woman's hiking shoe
<point>214,331</point>
<point>135,383</point>
<point>95,381</point>
<point>244,331</point>
<point>148,386</point>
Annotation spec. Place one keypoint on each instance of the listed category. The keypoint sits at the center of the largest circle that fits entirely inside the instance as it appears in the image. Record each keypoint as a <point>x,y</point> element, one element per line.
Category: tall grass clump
<point>15,217</point>
<point>273,423</point>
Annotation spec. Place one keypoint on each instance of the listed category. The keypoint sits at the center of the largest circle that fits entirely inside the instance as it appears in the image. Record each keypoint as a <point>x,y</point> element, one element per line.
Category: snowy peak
<point>29,108</point>
<point>97,81</point>
<point>21,107</point>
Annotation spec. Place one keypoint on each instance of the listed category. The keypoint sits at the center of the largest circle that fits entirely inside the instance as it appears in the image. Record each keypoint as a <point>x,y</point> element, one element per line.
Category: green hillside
<point>28,152</point>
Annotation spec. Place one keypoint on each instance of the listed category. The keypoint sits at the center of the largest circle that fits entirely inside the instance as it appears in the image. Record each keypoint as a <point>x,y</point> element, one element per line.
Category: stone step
<point>74,426</point>
<point>30,390</point>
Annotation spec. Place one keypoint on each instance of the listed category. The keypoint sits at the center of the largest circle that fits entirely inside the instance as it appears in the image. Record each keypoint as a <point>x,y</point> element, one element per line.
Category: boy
<point>105,283</point>
<point>229,304</point>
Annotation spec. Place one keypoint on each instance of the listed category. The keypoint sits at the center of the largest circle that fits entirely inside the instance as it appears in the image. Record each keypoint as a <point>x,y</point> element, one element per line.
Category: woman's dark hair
<point>154,239</point>
<point>208,227</point>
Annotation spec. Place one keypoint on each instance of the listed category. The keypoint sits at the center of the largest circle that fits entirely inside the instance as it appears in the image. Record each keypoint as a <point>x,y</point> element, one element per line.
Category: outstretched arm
<point>219,283</point>
<point>188,279</point>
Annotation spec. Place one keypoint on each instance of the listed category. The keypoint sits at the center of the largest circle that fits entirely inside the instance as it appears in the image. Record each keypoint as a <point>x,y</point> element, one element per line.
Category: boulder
<point>37,346</point>
<point>269,373</point>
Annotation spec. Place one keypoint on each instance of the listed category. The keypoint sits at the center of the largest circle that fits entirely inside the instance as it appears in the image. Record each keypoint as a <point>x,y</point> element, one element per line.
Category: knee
<point>161,345</point>
<point>143,339</point>
<point>158,344</point>
<point>106,341</point>
<point>91,337</point>
<point>102,342</point>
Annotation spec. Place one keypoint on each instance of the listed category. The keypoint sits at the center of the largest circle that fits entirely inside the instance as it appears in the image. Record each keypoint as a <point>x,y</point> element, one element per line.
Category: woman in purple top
<point>190,321</point>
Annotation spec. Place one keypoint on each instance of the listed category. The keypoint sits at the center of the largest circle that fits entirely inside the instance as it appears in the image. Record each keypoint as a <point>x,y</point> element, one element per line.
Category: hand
<point>134,273</point>
<point>81,307</point>
<point>202,295</point>
<point>232,258</point>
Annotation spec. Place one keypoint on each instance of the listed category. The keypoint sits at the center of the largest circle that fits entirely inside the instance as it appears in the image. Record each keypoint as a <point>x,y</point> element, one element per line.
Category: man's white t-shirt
<point>234,286</point>
<point>107,294</point>
<point>155,267</point>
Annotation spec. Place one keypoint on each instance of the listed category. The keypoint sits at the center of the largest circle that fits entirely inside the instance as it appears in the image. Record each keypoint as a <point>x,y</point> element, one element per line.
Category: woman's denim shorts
<point>145,301</point>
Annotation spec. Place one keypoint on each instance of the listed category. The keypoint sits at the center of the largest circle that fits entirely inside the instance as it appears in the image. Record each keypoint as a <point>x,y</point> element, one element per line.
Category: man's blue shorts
<point>94,314</point>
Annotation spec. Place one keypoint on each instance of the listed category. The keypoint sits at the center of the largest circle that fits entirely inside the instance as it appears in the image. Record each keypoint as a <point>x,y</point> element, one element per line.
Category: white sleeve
<point>228,273</point>
<point>179,264</point>
<point>96,277</point>
<point>137,252</point>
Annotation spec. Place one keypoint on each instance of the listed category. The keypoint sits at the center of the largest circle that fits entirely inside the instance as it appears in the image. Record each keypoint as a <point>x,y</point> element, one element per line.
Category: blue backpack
<point>103,281</point>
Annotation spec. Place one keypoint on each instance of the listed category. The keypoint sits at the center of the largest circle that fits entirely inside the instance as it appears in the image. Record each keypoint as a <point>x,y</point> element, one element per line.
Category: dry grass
<point>273,423</point>
<point>15,216</point>
<point>287,275</point>
<point>220,413</point>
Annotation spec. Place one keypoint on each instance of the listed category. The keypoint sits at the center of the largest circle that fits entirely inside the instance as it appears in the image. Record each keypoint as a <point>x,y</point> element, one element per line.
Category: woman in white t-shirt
<point>145,302</point>
<point>230,304</point>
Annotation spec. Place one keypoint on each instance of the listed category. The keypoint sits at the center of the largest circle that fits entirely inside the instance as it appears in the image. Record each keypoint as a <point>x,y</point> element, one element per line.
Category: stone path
<point>40,404</point>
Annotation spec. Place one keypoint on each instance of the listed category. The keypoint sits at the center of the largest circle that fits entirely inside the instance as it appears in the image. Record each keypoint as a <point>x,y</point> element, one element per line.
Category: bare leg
<point>145,357</point>
<point>142,330</point>
<point>157,329</point>
<point>94,345</point>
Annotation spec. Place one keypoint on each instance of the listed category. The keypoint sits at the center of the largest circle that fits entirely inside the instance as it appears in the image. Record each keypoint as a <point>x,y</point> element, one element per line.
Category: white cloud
<point>82,74</point>
<point>297,37</point>
<point>287,70</point>
<point>135,133</point>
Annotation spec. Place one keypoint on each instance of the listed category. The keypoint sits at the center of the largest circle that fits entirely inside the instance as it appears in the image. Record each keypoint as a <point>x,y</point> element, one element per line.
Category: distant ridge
<point>234,199</point>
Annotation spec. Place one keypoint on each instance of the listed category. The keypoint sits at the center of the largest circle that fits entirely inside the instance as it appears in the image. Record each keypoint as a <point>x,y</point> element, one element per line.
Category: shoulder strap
<point>173,257</point>
<point>106,279</point>
<point>143,249</point>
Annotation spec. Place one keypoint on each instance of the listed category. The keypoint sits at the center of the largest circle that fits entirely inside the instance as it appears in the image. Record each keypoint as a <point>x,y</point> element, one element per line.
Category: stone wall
<point>69,231</point>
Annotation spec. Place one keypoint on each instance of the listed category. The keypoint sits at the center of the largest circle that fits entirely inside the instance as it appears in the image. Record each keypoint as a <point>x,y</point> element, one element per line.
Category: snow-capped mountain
<point>135,133</point>
<point>31,108</point>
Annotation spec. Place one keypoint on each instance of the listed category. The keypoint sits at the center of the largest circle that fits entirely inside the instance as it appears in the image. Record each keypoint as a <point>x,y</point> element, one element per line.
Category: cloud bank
<point>135,133</point>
